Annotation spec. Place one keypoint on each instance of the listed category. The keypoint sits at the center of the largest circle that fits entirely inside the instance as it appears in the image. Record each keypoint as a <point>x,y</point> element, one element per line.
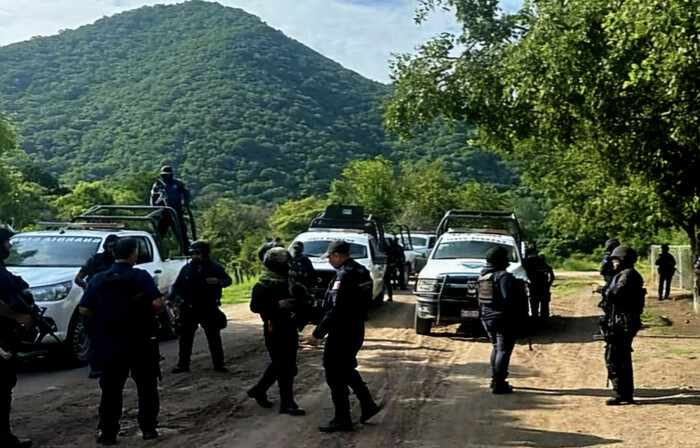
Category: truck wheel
<point>77,343</point>
<point>422,325</point>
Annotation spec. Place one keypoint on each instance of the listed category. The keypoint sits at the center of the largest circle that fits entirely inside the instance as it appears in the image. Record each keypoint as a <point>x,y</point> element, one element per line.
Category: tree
<point>597,99</point>
<point>293,216</point>
<point>370,184</point>
<point>82,197</point>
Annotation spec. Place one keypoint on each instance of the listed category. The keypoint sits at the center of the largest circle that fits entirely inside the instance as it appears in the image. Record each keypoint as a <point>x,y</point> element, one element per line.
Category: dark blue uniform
<point>280,328</point>
<point>201,307</point>
<point>123,322</point>
<point>303,271</point>
<point>10,288</point>
<point>350,293</point>
<point>171,193</point>
<point>501,318</point>
<point>97,263</point>
<point>541,277</point>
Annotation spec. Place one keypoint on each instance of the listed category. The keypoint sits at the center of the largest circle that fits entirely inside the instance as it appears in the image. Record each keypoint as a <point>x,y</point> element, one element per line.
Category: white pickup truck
<point>446,288</point>
<point>49,260</point>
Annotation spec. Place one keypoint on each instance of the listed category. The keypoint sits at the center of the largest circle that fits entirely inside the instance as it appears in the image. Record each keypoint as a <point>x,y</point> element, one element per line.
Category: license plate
<point>470,313</point>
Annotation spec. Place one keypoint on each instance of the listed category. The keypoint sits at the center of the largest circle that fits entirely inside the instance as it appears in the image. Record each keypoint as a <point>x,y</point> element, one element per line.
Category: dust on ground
<point>433,389</point>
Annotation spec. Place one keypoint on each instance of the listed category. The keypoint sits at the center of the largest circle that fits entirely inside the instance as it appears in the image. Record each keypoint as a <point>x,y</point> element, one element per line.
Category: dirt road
<point>434,391</point>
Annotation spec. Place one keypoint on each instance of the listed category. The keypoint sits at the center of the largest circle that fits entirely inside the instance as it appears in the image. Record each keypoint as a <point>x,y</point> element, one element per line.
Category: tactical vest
<point>488,292</point>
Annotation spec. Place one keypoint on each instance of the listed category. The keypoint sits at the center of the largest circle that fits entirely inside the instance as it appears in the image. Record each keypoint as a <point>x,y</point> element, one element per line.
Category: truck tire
<point>77,344</point>
<point>422,326</point>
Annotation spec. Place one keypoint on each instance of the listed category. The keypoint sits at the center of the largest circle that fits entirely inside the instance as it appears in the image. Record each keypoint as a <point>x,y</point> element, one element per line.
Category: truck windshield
<point>419,241</point>
<point>448,250</point>
<point>52,251</point>
<point>318,248</point>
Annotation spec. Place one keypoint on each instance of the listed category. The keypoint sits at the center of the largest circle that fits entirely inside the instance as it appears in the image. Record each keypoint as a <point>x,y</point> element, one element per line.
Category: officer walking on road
<point>541,277</point>
<point>667,267</point>
<point>122,304</point>
<point>625,297</point>
<point>11,320</point>
<point>503,310</point>
<point>279,300</point>
<point>199,284</point>
<point>343,326</point>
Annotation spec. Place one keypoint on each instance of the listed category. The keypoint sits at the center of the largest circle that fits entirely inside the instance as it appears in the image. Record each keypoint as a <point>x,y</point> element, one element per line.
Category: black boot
<point>336,426</point>
<point>260,397</point>
<point>619,401</point>
<point>369,411</point>
<point>11,440</point>
<point>292,409</point>
<point>501,388</point>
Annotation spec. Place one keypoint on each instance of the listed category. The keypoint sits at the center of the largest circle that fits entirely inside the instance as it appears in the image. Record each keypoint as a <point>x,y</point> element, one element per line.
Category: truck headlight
<point>51,293</point>
<point>427,285</point>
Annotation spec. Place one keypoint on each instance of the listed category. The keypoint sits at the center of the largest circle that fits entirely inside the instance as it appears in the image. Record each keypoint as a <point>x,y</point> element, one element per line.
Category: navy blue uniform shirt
<point>10,287</point>
<point>97,263</point>
<point>191,284</point>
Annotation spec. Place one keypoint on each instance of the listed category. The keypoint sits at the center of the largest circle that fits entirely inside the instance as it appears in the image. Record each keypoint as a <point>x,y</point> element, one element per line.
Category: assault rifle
<point>41,325</point>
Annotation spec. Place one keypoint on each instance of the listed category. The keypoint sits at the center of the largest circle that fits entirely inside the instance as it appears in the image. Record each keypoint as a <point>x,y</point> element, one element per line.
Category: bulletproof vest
<point>488,292</point>
<point>123,308</point>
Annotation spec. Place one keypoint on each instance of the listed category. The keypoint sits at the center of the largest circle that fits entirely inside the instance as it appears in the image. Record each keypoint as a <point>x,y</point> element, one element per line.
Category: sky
<point>359,34</point>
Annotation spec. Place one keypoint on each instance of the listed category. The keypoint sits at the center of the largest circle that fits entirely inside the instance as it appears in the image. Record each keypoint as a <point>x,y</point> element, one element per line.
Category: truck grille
<point>460,288</point>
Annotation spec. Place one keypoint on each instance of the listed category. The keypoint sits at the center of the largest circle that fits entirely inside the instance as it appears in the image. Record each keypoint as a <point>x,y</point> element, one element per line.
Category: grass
<point>568,287</point>
<point>655,323</point>
<point>238,293</point>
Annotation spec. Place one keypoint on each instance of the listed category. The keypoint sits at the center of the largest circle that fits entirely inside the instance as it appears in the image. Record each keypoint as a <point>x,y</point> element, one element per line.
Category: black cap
<point>498,257</point>
<point>298,245</point>
<point>166,169</point>
<point>337,247</point>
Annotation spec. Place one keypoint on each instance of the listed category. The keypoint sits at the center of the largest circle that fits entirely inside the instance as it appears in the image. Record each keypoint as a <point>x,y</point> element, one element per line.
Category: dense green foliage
<point>595,99</point>
<point>234,105</point>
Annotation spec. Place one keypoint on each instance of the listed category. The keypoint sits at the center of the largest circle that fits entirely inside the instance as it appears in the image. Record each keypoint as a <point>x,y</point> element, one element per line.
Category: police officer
<point>11,319</point>
<point>276,242</point>
<point>100,262</point>
<point>170,192</point>
<point>666,265</point>
<point>625,296</point>
<point>398,260</point>
<point>606,265</point>
<point>199,284</point>
<point>279,301</point>
<point>97,263</point>
<point>503,309</point>
<point>302,270</point>
<point>343,326</point>
<point>541,277</point>
<point>122,304</point>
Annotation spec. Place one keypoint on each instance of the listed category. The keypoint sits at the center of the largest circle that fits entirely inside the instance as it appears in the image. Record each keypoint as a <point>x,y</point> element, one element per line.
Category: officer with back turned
<point>280,301</point>
<point>503,309</point>
<point>541,277</point>
<point>625,302</point>
<point>100,262</point>
<point>11,320</point>
<point>199,284</point>
<point>121,304</point>
<point>343,326</point>
<point>666,265</point>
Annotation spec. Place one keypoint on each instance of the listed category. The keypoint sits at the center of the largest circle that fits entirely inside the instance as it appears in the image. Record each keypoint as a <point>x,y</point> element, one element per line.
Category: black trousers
<point>191,320</point>
<point>502,336</point>
<point>112,381</point>
<point>618,360</point>
<point>167,222</point>
<point>665,285</point>
<point>340,364</point>
<point>282,345</point>
<point>539,302</point>
<point>8,381</point>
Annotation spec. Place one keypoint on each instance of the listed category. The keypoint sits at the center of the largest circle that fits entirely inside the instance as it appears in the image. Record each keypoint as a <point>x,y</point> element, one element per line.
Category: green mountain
<point>233,104</point>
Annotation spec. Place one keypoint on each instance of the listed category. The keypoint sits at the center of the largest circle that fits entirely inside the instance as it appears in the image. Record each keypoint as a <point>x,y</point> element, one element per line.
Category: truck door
<point>146,259</point>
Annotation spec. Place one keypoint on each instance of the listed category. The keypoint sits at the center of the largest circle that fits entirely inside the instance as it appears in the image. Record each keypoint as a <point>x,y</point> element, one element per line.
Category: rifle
<point>42,326</point>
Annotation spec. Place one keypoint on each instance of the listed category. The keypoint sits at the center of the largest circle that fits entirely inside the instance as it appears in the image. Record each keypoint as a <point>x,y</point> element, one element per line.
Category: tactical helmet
<point>166,169</point>
<point>664,248</point>
<point>110,240</point>
<point>6,232</point>
<point>625,254</point>
<point>498,257</point>
<point>277,260</point>
<point>200,247</point>
<point>611,244</point>
<point>531,252</point>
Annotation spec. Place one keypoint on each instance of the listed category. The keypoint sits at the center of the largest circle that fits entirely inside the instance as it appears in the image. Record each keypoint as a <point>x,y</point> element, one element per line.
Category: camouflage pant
<point>618,360</point>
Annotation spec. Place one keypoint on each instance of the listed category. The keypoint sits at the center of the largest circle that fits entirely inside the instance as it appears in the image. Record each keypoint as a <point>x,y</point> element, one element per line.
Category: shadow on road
<point>643,396</point>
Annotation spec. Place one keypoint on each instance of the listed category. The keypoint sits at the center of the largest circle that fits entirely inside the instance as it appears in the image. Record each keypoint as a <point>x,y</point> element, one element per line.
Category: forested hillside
<point>236,106</point>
